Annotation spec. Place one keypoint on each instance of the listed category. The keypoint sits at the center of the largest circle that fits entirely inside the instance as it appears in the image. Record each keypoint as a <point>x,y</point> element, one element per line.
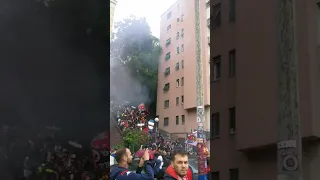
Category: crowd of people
<point>152,165</point>
<point>45,157</point>
<point>132,117</point>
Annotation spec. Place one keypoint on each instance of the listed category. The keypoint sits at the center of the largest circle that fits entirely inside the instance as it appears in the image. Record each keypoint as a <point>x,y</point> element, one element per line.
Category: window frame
<point>183,121</point>
<point>232,62</point>
<point>166,119</point>
<point>232,10</point>
<point>217,15</point>
<point>215,125</point>
<point>166,102</point>
<point>216,60</point>
<point>232,120</point>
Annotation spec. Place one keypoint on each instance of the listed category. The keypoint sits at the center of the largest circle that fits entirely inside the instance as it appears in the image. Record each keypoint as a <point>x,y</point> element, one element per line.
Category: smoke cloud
<point>124,87</point>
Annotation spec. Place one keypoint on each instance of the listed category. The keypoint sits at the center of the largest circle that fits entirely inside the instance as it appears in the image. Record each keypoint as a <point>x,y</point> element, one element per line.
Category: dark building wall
<point>253,90</point>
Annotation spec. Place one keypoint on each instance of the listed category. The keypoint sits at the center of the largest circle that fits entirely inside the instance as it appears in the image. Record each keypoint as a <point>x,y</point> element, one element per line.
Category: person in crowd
<point>124,159</point>
<point>179,168</point>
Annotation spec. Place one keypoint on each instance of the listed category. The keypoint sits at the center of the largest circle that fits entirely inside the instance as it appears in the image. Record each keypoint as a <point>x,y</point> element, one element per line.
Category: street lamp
<point>156,120</point>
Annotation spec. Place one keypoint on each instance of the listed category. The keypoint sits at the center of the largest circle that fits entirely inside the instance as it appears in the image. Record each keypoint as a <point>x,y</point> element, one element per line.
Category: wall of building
<point>253,89</point>
<point>188,72</point>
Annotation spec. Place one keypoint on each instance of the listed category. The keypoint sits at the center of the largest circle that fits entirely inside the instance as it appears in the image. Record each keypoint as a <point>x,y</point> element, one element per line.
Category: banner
<point>192,139</point>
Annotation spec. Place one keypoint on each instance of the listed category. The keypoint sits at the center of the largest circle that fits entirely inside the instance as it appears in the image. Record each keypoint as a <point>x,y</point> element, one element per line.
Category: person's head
<point>123,156</point>
<point>180,162</point>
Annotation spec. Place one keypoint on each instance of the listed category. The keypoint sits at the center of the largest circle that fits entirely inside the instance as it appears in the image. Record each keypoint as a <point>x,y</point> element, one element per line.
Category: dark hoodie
<point>171,174</point>
<point>120,173</point>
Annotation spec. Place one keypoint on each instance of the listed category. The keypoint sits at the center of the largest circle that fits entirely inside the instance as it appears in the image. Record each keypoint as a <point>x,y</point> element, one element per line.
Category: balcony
<point>166,87</point>
<point>167,72</point>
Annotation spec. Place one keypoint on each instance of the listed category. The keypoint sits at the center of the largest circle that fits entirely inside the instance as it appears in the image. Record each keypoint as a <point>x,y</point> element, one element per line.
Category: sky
<point>151,9</point>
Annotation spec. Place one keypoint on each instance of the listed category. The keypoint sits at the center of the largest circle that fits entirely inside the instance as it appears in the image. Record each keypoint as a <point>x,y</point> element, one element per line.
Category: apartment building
<point>176,103</point>
<point>244,88</point>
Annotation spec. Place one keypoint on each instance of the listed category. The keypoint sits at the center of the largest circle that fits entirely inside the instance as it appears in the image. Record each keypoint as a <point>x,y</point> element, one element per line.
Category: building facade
<point>113,4</point>
<point>244,88</point>
<point>176,100</point>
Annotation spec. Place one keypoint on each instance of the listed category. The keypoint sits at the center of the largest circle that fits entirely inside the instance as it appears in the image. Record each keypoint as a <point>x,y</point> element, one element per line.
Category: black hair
<point>179,152</point>
<point>120,153</point>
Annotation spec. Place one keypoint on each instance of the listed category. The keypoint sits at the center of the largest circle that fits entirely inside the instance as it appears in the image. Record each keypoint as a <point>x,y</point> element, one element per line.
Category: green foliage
<point>138,51</point>
<point>133,139</point>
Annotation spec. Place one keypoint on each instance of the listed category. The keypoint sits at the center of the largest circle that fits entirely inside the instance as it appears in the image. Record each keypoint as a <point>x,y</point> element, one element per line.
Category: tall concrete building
<point>244,88</point>
<point>113,4</point>
<point>176,103</point>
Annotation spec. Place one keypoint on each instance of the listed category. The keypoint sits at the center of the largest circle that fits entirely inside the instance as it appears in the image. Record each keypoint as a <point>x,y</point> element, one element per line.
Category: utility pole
<point>289,149</point>
<point>202,161</point>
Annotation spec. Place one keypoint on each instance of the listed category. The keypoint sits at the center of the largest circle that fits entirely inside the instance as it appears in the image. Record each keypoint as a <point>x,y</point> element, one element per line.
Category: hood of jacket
<point>171,174</point>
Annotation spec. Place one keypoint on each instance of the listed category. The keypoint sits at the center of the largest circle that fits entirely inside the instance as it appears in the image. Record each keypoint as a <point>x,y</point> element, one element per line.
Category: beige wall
<point>188,109</point>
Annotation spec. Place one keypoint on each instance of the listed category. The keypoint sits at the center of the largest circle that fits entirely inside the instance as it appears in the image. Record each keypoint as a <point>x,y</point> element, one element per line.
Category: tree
<point>137,51</point>
<point>133,139</point>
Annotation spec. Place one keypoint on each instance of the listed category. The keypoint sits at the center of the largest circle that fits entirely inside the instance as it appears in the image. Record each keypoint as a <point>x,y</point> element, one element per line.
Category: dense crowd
<point>44,157</point>
<point>130,117</point>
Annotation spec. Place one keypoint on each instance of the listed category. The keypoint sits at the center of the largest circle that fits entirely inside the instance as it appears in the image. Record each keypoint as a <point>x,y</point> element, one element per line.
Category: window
<point>167,71</point>
<point>177,35</point>
<point>169,15</point>
<point>215,125</point>
<point>182,99</point>
<point>232,62</point>
<point>234,174</point>
<point>166,121</point>
<point>177,82</point>
<point>178,20</point>
<point>182,120</point>
<point>168,55</point>
<point>232,120</point>
<point>178,51</point>
<point>177,101</point>
<point>216,15</point>
<point>216,68</point>
<point>182,64</point>
<point>232,11</point>
<point>182,33</point>
<point>182,18</point>
<point>177,66</point>
<point>166,87</point>
<point>177,120</point>
<point>182,47</point>
<point>182,81</point>
<point>168,42</point>
<point>166,104</point>
<point>168,27</point>
<point>216,175</point>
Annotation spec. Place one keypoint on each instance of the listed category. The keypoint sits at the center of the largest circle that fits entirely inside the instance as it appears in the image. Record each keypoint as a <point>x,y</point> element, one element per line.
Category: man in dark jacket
<point>179,168</point>
<point>124,159</point>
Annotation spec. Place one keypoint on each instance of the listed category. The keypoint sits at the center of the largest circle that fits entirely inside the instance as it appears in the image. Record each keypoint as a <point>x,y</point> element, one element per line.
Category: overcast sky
<point>151,9</point>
